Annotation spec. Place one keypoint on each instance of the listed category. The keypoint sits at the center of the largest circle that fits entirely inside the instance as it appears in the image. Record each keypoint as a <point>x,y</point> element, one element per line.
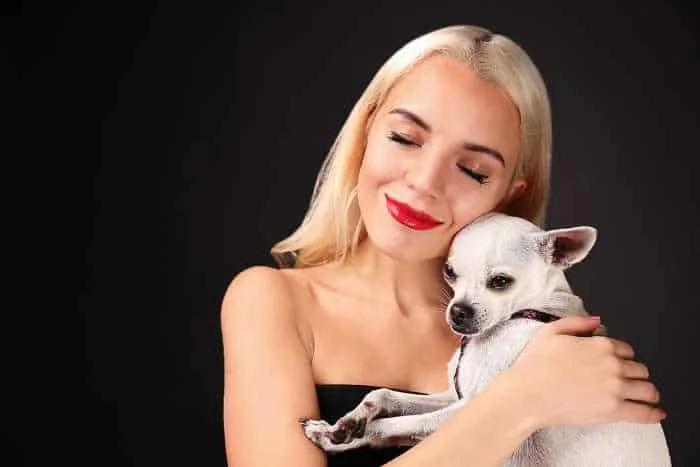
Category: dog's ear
<point>566,247</point>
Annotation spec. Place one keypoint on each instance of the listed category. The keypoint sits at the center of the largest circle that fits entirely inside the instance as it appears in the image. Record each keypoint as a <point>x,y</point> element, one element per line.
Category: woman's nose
<point>426,175</point>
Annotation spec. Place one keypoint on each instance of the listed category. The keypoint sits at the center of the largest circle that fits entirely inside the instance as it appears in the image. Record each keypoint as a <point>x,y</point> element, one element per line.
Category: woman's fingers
<point>620,348</point>
<point>636,412</point>
<point>641,391</point>
<point>634,370</point>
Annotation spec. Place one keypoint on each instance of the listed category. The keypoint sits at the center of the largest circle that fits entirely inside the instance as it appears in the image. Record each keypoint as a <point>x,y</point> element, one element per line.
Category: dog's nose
<point>461,315</point>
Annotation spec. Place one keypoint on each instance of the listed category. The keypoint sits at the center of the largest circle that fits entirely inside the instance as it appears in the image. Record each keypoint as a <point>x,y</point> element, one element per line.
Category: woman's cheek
<point>382,167</point>
<point>469,208</point>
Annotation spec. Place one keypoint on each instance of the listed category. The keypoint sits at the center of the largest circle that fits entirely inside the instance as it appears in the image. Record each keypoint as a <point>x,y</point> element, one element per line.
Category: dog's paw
<point>330,438</point>
<point>352,425</point>
<point>349,428</point>
<point>317,431</point>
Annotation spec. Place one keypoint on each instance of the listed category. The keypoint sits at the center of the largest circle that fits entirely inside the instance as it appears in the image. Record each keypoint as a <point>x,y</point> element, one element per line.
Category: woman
<point>454,125</point>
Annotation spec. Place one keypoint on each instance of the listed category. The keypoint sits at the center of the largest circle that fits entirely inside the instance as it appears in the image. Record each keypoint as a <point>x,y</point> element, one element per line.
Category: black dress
<point>335,400</point>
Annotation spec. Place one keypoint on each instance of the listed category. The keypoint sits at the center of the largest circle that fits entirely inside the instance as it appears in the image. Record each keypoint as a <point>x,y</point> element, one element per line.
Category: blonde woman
<point>455,124</point>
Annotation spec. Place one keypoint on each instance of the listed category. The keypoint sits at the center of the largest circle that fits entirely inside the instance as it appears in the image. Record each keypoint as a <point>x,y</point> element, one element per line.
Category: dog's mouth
<point>464,321</point>
<point>474,331</point>
<point>465,329</point>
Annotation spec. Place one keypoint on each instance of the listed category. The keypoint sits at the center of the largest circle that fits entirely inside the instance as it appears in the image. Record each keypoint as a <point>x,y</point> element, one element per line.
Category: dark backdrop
<point>166,146</point>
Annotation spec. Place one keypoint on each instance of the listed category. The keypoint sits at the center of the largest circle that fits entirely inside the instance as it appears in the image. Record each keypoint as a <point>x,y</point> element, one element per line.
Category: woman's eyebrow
<point>485,150</point>
<point>468,146</point>
<point>412,117</point>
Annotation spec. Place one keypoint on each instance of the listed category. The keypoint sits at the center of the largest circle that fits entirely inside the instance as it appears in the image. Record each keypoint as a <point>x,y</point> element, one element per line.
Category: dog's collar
<point>462,345</point>
<point>537,315</point>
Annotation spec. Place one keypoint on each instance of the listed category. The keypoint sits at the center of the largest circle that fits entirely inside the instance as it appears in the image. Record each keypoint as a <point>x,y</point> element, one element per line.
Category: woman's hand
<point>576,381</point>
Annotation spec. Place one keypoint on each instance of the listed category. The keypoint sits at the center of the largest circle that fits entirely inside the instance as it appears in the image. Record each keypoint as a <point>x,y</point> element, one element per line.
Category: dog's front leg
<point>348,432</point>
<point>407,430</point>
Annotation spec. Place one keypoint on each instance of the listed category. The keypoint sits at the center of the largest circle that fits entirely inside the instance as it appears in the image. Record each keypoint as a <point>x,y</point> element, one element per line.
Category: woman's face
<point>440,152</point>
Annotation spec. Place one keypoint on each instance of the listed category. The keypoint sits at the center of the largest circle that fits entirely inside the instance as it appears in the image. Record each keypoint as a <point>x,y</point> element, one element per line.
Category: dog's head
<point>500,264</point>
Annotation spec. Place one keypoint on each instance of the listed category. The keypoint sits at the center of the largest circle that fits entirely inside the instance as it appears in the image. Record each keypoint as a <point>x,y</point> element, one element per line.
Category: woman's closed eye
<point>479,177</point>
<point>405,141</point>
<point>401,139</point>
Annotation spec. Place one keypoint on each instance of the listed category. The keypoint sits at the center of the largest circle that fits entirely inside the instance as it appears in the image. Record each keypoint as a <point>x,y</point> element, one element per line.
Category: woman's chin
<point>406,246</point>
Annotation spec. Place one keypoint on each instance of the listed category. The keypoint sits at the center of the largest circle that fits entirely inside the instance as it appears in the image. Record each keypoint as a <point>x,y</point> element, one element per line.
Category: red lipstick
<point>406,215</point>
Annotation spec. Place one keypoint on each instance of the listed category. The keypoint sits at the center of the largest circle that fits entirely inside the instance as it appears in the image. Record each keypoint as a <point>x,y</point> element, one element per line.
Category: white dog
<point>508,277</point>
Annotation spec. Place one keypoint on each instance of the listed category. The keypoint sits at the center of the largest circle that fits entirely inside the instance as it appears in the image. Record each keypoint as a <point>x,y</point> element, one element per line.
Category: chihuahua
<point>508,278</point>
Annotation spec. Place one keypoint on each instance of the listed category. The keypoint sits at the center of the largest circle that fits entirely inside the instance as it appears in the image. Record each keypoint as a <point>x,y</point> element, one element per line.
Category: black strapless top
<point>335,400</point>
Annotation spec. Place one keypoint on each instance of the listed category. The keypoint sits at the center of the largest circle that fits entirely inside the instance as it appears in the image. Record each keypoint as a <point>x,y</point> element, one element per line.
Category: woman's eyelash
<point>481,178</point>
<point>399,138</point>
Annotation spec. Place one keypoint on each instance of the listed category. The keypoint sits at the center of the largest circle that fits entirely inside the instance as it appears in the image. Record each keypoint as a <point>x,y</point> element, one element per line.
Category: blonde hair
<point>333,227</point>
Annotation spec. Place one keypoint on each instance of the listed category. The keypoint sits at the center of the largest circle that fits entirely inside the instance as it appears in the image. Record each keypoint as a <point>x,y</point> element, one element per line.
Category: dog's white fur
<point>496,244</point>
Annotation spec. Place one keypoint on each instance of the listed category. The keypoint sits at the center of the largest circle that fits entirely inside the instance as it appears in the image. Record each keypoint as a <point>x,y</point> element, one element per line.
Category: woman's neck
<point>406,285</point>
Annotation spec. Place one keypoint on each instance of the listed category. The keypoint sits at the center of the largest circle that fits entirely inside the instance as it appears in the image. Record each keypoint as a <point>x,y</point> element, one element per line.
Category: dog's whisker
<point>446,296</point>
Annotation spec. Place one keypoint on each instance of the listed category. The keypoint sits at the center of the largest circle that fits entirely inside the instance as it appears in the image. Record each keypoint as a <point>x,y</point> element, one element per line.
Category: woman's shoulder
<point>264,282</point>
<point>258,289</point>
<point>270,300</point>
<point>255,279</point>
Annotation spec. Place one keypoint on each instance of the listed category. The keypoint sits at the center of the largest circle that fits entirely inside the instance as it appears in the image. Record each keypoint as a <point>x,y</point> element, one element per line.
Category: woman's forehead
<point>451,99</point>
<point>444,83</point>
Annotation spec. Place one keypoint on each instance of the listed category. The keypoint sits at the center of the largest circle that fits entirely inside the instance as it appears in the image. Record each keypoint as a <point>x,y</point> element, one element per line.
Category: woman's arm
<point>482,434</point>
<point>268,383</point>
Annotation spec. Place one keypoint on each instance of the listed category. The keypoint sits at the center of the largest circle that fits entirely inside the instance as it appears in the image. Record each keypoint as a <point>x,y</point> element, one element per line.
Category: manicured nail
<point>595,318</point>
<point>663,415</point>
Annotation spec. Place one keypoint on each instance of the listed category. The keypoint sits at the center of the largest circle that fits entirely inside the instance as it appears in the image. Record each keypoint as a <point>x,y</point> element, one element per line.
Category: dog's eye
<point>449,273</point>
<point>500,282</point>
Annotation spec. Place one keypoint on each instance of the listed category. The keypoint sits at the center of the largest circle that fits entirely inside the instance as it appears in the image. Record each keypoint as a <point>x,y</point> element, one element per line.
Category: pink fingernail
<point>663,415</point>
<point>595,318</point>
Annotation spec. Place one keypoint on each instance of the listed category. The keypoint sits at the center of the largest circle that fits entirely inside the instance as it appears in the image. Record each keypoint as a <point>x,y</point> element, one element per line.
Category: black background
<point>163,147</point>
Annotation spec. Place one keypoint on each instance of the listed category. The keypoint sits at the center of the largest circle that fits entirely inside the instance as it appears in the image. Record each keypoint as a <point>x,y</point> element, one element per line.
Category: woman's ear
<point>516,190</point>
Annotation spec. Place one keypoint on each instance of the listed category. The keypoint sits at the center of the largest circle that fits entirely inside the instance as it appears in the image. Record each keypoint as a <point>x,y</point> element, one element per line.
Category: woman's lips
<point>406,215</point>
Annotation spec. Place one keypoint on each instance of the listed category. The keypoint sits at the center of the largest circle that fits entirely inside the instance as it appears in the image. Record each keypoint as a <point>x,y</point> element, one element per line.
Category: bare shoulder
<point>278,284</point>
<point>259,306</point>
<point>267,292</point>
<point>256,280</point>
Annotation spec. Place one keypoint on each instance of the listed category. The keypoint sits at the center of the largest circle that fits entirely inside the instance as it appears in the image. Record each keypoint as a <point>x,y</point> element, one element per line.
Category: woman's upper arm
<point>268,383</point>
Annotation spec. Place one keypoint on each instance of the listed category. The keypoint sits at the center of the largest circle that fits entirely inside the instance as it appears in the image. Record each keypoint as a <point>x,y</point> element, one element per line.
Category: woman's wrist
<point>513,401</point>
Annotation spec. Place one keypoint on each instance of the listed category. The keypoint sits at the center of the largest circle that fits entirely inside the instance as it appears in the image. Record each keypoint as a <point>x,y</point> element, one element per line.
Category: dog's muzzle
<point>462,318</point>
